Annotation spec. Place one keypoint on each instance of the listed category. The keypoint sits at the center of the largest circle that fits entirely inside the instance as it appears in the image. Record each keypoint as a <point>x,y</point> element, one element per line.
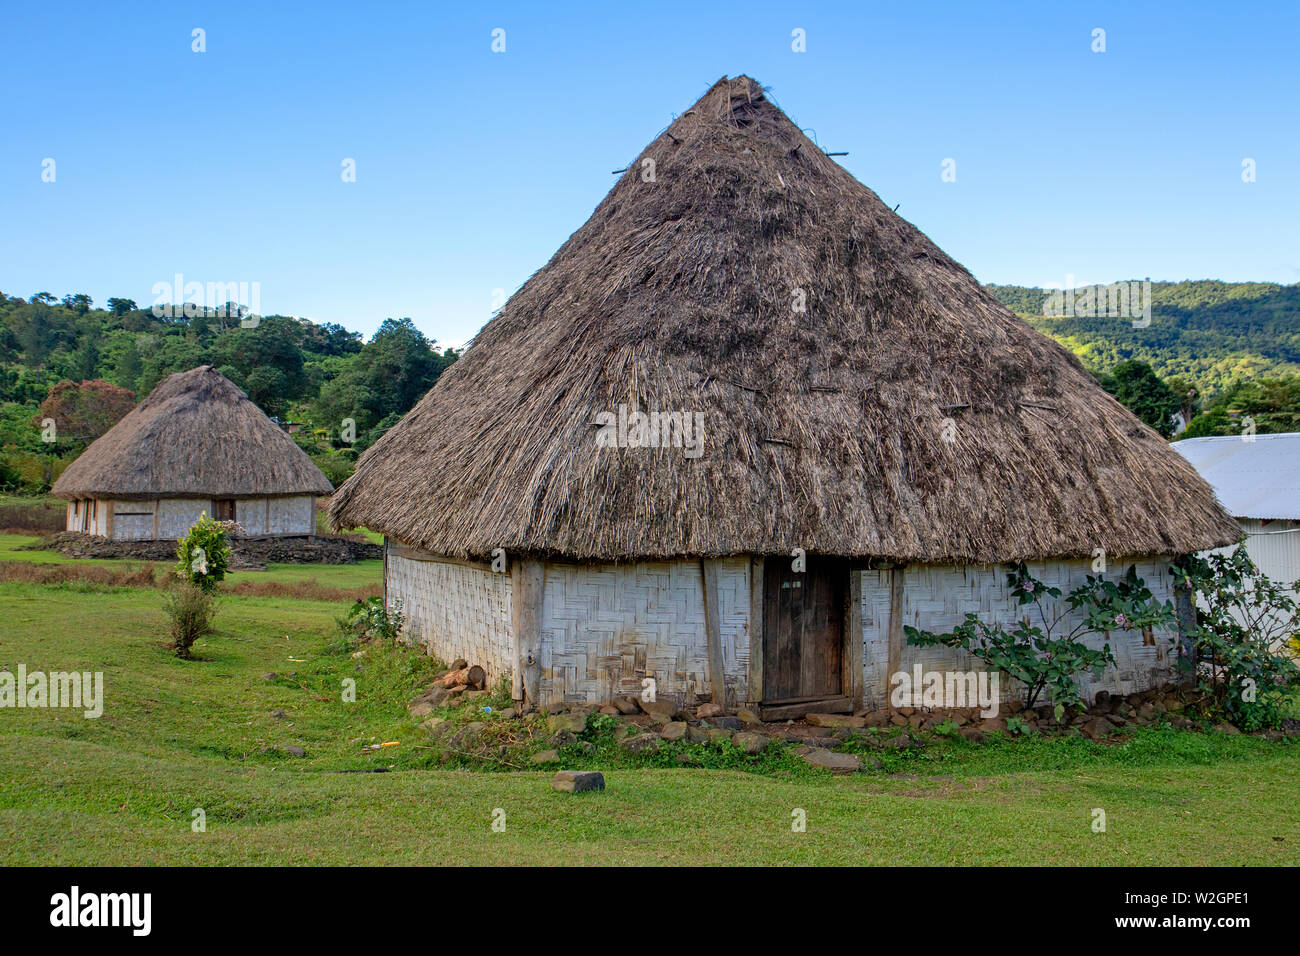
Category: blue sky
<point>472,167</point>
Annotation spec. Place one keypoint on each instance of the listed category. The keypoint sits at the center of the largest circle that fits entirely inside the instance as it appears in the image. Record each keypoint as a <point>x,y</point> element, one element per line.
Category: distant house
<point>851,436</point>
<point>195,445</point>
<point>1257,478</point>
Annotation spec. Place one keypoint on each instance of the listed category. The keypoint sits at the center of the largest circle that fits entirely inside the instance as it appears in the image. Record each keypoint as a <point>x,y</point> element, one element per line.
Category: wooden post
<point>895,625</point>
<point>527,578</point>
<point>756,572</point>
<point>852,658</point>
<point>713,631</point>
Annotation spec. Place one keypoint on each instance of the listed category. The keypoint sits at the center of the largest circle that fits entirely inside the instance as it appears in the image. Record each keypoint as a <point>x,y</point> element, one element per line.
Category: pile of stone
<point>246,553</point>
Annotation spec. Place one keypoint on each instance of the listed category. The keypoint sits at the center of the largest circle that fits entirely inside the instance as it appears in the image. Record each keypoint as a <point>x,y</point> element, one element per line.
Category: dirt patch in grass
<point>306,590</point>
<point>132,576</point>
<point>34,516</point>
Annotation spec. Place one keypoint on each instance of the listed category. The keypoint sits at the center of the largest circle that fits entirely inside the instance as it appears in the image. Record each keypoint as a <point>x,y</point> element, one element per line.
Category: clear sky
<point>472,167</point>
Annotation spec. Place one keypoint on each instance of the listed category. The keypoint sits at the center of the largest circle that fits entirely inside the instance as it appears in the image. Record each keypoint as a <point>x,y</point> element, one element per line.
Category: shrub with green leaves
<point>372,620</point>
<point>190,610</point>
<point>1240,651</point>
<point>1033,653</point>
<point>204,553</point>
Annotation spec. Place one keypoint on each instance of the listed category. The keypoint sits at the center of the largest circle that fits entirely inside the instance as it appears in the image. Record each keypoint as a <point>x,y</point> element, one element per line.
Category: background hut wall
<point>936,598</point>
<point>292,515</point>
<point>454,609</point>
<point>177,515</point>
<point>169,518</point>
<point>607,627</point>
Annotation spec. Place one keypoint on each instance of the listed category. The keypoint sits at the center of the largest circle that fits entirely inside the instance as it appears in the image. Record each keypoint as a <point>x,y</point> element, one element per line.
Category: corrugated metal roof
<point>1253,479</point>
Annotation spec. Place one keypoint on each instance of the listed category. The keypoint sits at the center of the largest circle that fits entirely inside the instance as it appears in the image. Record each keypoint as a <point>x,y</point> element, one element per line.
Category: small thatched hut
<point>196,444</point>
<point>821,377</point>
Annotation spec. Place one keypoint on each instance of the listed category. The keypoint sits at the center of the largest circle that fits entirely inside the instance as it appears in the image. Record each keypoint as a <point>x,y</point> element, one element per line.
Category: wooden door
<point>803,629</point>
<point>223,509</point>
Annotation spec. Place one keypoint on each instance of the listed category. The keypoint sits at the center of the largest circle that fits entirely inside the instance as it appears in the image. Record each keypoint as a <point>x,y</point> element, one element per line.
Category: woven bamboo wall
<point>936,598</point>
<point>455,610</point>
<point>606,627</point>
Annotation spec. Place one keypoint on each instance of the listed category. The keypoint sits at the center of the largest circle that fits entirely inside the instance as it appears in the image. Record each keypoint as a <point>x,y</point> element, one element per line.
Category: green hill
<point>1207,332</point>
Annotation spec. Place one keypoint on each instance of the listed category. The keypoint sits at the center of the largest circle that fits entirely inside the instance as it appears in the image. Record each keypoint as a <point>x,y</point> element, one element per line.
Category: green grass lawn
<point>210,734</point>
<point>18,547</point>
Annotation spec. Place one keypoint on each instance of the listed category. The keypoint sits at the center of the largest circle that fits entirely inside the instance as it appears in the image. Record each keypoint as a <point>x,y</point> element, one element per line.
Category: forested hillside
<point>1215,352</point>
<point>1212,334</point>
<point>317,376</point>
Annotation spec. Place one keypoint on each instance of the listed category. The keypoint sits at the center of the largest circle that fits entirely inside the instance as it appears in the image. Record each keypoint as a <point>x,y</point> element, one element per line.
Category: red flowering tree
<point>82,412</point>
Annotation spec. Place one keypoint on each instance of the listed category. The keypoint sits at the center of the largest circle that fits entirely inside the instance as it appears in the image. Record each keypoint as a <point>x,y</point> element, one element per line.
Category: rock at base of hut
<point>578,781</point>
<point>709,710</point>
<point>675,730</point>
<point>545,756</point>
<point>834,720</point>
<point>661,710</point>
<point>626,706</point>
<point>837,763</point>
<point>747,716</point>
<point>642,743</point>
<point>750,743</point>
<point>573,723</point>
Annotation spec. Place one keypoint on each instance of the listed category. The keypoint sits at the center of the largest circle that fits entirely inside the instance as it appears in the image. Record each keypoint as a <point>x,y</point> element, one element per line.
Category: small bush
<point>1239,651</point>
<point>191,610</point>
<point>370,620</point>
<point>204,552</point>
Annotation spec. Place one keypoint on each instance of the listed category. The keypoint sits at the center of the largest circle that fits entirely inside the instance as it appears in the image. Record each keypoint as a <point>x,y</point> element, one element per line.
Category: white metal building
<point>1257,479</point>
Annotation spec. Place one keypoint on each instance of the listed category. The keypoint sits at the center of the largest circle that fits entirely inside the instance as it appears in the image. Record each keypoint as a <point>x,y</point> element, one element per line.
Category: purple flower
<point>1029,585</point>
<point>1121,620</point>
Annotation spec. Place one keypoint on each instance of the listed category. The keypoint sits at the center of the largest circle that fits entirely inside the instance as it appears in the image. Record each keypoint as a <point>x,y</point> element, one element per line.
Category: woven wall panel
<point>606,627</point>
<point>937,598</point>
<point>455,610</point>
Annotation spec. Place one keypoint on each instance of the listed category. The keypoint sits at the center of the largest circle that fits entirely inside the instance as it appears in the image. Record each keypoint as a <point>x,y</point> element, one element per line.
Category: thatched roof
<point>824,429</point>
<point>196,435</point>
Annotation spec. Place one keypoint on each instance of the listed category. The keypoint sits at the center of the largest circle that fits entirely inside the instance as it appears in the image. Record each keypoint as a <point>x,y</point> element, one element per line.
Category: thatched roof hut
<point>861,395</point>
<point>196,443</point>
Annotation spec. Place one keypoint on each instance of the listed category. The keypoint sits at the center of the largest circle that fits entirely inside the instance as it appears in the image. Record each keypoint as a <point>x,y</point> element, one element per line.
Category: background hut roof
<point>823,429</point>
<point>196,435</point>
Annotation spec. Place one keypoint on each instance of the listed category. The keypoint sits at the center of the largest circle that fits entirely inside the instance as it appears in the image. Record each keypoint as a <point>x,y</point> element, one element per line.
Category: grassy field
<point>211,734</point>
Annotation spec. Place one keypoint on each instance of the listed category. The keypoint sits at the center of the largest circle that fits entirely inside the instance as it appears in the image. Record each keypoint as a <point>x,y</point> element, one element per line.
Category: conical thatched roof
<point>196,435</point>
<point>824,429</point>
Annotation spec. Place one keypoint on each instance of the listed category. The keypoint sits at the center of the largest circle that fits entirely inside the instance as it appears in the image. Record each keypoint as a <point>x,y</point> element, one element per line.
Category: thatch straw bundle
<point>824,429</point>
<point>195,435</point>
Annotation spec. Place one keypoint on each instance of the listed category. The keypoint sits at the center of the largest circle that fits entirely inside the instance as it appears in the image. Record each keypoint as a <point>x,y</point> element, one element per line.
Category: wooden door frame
<point>851,677</point>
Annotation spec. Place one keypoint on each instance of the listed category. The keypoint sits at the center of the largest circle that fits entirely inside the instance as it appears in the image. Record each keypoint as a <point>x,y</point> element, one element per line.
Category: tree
<point>120,307</point>
<point>79,303</point>
<point>82,412</point>
<point>1139,389</point>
